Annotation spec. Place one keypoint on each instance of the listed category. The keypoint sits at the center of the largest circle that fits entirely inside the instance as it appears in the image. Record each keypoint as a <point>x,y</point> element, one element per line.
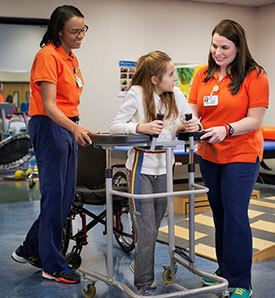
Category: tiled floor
<point>19,280</point>
<point>262,220</point>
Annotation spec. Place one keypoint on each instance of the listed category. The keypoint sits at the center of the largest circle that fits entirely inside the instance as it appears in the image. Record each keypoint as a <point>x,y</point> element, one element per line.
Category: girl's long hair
<point>243,62</point>
<point>154,64</point>
<point>58,19</point>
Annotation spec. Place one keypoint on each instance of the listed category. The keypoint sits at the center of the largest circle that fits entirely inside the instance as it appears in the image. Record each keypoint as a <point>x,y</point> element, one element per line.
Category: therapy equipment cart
<point>176,255</point>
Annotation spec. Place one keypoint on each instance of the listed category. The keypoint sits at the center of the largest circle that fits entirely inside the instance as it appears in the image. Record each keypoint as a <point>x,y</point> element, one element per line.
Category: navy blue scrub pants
<point>230,187</point>
<point>56,154</point>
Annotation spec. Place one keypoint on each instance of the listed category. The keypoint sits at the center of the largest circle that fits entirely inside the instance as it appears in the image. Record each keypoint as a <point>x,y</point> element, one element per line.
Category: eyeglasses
<point>76,32</point>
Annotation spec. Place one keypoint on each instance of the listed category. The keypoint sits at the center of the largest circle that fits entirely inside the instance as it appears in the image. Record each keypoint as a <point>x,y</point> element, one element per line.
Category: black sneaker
<point>66,276</point>
<point>21,257</point>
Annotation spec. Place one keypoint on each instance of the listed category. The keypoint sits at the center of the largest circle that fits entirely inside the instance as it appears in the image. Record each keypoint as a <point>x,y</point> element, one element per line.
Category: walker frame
<point>188,261</point>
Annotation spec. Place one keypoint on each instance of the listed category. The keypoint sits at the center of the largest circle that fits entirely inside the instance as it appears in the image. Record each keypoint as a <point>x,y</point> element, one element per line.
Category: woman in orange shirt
<point>230,96</point>
<point>56,85</point>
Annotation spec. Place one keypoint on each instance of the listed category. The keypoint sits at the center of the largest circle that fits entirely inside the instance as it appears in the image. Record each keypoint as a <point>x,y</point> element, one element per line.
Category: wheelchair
<point>91,191</point>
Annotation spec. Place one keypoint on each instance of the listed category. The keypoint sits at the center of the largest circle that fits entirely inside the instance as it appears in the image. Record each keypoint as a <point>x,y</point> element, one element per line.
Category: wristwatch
<point>230,130</point>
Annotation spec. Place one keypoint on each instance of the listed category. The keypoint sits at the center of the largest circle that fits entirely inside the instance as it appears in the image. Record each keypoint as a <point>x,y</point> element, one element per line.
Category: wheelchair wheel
<point>73,260</point>
<point>123,229</point>
<point>119,179</point>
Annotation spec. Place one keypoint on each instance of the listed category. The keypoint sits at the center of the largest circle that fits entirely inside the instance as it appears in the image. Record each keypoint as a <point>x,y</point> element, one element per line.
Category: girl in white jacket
<point>152,92</point>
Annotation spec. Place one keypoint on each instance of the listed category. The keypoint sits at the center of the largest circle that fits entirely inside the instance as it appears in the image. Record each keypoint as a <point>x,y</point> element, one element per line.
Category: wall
<point>9,76</point>
<point>125,29</point>
<point>265,49</point>
<point>19,43</point>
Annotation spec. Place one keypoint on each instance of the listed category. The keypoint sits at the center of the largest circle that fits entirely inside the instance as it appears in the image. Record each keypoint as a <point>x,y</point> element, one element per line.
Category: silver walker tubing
<point>170,200</point>
<point>201,189</point>
<point>183,292</point>
<point>109,207</point>
<point>170,194</point>
<point>191,180</point>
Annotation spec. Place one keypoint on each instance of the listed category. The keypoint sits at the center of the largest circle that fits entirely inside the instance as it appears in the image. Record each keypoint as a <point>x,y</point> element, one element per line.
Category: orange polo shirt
<point>2,98</point>
<point>253,93</point>
<point>53,64</point>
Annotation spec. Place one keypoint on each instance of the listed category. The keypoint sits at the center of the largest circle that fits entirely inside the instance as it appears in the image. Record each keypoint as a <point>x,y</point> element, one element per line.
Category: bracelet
<point>226,130</point>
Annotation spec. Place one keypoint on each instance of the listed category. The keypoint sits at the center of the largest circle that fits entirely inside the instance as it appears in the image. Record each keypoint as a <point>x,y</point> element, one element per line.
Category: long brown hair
<point>243,62</point>
<point>154,64</point>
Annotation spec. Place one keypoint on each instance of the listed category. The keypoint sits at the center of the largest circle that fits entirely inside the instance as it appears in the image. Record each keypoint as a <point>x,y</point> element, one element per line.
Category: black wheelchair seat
<point>93,197</point>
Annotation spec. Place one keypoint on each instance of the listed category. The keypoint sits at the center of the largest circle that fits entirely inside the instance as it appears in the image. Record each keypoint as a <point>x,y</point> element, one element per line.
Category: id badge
<point>210,101</point>
<point>79,82</point>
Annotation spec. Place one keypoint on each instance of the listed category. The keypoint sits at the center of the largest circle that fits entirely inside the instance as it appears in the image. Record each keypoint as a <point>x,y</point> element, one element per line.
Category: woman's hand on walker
<point>83,136</point>
<point>191,125</point>
<point>214,135</point>
<point>151,128</point>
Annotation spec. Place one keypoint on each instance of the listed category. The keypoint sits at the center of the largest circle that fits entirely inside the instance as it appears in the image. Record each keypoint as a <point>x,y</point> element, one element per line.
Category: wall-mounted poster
<point>185,74</point>
<point>126,71</point>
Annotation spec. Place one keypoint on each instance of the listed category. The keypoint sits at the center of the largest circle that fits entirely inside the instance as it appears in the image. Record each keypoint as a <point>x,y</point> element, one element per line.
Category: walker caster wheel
<point>90,291</point>
<point>167,276</point>
<point>73,260</point>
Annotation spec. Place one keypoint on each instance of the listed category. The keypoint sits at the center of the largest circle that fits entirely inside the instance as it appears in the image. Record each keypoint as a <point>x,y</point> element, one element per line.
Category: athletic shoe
<point>21,257</point>
<point>146,291</point>
<point>241,293</point>
<point>210,282</point>
<point>67,276</point>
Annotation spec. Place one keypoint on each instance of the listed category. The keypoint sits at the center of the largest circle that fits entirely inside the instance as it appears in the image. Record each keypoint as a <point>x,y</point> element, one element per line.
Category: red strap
<point>226,129</point>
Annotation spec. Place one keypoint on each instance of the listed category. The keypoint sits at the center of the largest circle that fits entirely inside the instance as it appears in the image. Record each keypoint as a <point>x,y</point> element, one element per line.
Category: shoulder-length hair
<point>57,22</point>
<point>154,64</point>
<point>243,62</point>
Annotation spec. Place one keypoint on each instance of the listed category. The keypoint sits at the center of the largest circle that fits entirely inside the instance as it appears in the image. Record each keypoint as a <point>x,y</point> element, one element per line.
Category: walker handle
<point>159,117</point>
<point>188,116</point>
